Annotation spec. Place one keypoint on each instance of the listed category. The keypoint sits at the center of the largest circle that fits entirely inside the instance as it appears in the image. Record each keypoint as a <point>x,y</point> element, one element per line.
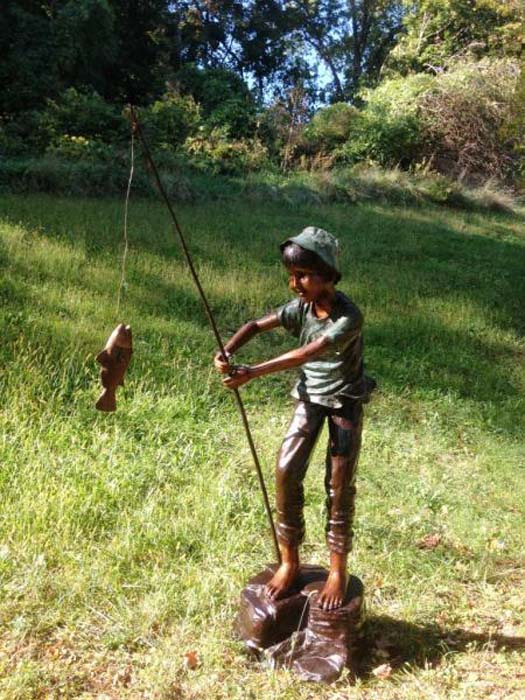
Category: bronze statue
<point>114,359</point>
<point>331,386</point>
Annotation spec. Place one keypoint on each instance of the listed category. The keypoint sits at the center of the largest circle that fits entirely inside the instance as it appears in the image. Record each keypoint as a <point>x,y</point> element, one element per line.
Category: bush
<point>77,148</point>
<point>217,153</point>
<point>387,130</point>
<point>170,120</point>
<point>463,117</point>
<point>224,99</point>
<point>82,114</point>
<point>330,127</point>
<point>514,130</point>
<point>455,123</point>
<point>22,135</point>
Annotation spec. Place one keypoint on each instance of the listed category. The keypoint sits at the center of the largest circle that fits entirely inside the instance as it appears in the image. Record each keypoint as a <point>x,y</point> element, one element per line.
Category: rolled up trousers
<point>344,425</point>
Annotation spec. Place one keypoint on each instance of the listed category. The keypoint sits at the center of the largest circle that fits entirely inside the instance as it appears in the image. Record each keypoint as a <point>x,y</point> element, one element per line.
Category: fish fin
<point>102,356</point>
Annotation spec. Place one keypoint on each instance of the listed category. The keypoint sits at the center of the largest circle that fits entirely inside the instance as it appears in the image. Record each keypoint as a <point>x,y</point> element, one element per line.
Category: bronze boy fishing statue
<point>331,385</point>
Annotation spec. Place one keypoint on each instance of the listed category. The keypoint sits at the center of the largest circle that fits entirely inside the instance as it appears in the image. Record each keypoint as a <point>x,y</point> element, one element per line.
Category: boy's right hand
<point>222,364</point>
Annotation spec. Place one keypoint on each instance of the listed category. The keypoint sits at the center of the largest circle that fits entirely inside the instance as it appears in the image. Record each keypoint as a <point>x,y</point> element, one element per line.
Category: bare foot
<point>333,593</point>
<point>285,576</point>
<point>282,581</point>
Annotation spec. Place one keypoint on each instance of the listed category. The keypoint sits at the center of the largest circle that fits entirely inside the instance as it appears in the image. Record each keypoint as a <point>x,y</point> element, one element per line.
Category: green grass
<point>362,182</point>
<point>126,538</point>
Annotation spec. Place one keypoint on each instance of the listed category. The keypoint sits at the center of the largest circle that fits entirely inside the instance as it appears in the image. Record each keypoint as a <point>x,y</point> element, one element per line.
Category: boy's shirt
<point>337,374</point>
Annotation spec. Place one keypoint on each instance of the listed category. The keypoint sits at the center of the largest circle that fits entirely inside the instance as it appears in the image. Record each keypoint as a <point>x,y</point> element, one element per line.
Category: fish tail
<point>107,401</point>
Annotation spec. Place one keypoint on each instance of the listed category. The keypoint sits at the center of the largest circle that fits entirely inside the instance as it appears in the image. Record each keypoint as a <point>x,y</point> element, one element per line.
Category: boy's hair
<point>294,254</point>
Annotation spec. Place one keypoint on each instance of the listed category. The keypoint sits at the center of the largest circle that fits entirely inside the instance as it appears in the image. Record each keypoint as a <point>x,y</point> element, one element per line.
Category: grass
<point>185,182</point>
<point>126,538</point>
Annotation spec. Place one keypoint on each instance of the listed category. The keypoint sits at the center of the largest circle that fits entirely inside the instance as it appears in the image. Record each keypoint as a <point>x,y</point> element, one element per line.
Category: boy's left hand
<point>241,375</point>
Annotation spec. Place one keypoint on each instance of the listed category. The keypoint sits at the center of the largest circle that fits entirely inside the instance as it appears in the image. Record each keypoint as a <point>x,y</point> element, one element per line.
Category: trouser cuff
<point>287,534</point>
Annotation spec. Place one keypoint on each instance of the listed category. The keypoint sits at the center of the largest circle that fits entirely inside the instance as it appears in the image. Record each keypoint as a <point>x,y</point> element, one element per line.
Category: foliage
<point>440,31</point>
<point>22,135</point>
<point>513,131</point>
<point>170,120</point>
<point>77,148</point>
<point>28,72</point>
<point>224,99</point>
<point>454,122</point>
<point>86,114</point>
<point>330,127</point>
<point>206,73</point>
<point>217,152</point>
<point>73,113</point>
<point>387,129</point>
<point>463,117</point>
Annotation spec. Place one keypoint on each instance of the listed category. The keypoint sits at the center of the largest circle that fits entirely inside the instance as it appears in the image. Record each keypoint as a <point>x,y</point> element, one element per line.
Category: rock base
<point>295,632</point>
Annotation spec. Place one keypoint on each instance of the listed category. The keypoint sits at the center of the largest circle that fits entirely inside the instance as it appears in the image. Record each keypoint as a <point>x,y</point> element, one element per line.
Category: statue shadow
<point>399,643</point>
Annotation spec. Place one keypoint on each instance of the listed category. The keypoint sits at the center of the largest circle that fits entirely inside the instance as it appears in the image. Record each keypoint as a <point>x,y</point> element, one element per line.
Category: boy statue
<point>331,385</point>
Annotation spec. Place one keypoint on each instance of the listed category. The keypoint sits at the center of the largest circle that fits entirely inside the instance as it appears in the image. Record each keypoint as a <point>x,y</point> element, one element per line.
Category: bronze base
<point>295,632</point>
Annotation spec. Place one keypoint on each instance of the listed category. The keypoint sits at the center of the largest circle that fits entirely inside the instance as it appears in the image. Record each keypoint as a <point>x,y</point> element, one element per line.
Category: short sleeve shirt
<point>337,374</point>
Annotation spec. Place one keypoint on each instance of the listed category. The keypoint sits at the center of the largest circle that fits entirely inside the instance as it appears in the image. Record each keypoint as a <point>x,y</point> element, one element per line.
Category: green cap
<point>318,241</point>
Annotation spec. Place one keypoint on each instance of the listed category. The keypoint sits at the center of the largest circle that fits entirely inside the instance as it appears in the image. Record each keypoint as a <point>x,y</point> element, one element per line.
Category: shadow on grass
<point>401,643</point>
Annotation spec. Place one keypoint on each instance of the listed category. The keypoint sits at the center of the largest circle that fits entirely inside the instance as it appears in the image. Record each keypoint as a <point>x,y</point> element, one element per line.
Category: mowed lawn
<point>126,538</point>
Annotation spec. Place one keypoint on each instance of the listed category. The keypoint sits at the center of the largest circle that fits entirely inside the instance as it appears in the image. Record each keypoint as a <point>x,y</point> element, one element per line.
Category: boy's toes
<point>272,592</point>
<point>330,602</point>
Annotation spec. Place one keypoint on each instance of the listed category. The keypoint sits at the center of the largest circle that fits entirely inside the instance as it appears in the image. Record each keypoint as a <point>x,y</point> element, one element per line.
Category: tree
<point>28,70</point>
<point>352,38</point>
<point>440,31</point>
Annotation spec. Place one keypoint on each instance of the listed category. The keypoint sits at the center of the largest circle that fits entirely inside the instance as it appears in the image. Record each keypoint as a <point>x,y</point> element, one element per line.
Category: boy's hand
<point>221,363</point>
<point>241,375</point>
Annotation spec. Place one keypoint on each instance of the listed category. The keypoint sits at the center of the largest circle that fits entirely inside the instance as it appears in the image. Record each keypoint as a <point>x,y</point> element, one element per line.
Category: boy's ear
<point>102,356</point>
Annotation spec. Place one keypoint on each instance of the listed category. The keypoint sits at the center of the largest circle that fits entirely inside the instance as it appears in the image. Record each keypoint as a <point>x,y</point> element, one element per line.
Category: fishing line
<point>125,231</point>
<point>295,634</point>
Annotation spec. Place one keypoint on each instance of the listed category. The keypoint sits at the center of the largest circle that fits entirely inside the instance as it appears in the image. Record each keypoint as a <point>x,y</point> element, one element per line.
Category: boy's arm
<point>294,358</point>
<point>242,336</point>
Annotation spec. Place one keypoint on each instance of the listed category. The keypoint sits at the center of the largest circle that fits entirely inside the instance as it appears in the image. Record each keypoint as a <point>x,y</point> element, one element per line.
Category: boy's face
<point>308,284</point>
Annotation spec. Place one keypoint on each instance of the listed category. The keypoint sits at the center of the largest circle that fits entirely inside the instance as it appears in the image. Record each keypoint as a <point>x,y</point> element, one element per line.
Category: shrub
<point>453,122</point>
<point>77,148</point>
<point>513,131</point>
<point>235,115</point>
<point>217,153</point>
<point>330,127</point>
<point>387,131</point>
<point>170,120</point>
<point>82,114</point>
<point>463,118</point>
<point>22,135</point>
<point>224,98</point>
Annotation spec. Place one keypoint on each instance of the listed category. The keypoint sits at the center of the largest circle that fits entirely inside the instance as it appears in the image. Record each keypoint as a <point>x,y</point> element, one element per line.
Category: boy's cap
<point>318,241</point>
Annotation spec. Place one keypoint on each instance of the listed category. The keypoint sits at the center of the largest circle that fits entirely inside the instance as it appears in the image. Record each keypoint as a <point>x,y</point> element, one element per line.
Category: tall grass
<point>185,183</point>
<point>126,538</point>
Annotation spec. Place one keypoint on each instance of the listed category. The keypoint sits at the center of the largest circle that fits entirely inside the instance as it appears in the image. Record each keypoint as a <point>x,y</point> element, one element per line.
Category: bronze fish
<point>114,359</point>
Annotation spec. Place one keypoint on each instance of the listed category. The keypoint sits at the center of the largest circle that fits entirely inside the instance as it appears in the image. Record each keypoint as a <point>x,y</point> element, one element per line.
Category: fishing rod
<point>138,131</point>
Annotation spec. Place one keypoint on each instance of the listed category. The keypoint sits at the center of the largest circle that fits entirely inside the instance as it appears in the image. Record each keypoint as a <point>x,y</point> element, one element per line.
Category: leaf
<point>190,659</point>
<point>429,541</point>
<point>383,671</point>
